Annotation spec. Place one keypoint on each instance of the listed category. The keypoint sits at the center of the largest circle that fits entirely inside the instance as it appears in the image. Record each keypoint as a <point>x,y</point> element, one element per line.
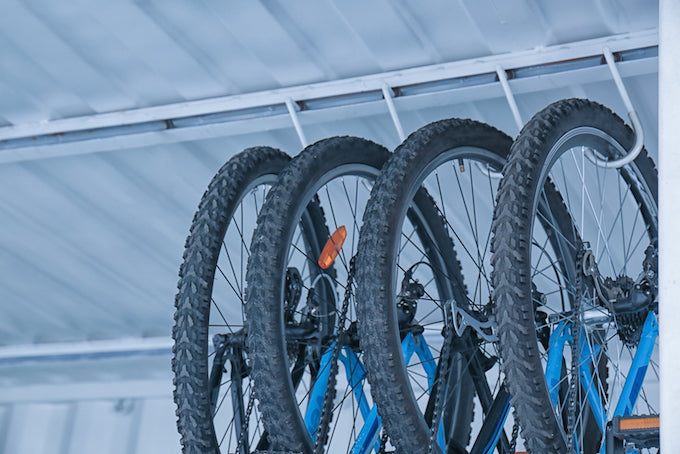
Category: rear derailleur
<point>627,299</point>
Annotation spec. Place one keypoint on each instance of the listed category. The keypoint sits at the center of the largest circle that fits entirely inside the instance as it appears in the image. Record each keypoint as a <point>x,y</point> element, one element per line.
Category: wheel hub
<point>628,300</point>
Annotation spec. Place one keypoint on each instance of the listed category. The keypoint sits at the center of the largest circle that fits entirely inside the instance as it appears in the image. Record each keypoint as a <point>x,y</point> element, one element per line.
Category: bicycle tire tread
<point>511,248</point>
<point>192,302</point>
<point>373,270</point>
<point>276,400</point>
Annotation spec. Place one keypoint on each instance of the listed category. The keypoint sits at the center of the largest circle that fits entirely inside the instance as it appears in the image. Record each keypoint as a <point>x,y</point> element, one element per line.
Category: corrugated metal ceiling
<point>62,60</point>
<point>91,244</point>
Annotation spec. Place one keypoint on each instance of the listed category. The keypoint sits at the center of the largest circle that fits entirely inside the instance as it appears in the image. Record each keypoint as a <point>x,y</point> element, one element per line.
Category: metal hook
<point>503,79</point>
<point>487,172</point>
<point>292,111</point>
<point>632,114</point>
<point>388,94</point>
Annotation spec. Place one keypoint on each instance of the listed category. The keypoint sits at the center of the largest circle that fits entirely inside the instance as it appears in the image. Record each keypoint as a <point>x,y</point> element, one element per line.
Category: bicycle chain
<point>575,354</point>
<point>383,443</point>
<point>515,432</point>
<point>326,413</point>
<point>244,428</point>
<point>444,360</point>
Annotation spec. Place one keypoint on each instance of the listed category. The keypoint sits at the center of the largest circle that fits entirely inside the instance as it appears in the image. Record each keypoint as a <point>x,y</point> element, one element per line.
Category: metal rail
<point>413,88</point>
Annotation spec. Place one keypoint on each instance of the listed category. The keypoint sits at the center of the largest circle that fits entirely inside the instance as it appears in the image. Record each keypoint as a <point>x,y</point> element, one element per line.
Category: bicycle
<point>213,390</point>
<point>411,290</point>
<point>575,278</point>
<point>293,305</point>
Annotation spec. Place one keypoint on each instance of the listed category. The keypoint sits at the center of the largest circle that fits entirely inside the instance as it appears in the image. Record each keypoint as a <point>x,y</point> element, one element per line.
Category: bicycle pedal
<point>626,434</point>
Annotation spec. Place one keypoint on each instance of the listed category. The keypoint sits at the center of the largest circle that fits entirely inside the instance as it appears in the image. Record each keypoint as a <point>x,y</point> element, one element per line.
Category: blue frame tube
<point>368,436</point>
<point>313,413</point>
<point>499,428</point>
<point>588,381</point>
<point>553,368</point>
<point>356,373</point>
<point>426,359</point>
<point>634,380</point>
<point>638,369</point>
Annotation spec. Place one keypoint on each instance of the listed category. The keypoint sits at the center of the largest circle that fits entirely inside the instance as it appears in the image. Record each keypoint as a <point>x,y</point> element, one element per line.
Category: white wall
<point>669,246</point>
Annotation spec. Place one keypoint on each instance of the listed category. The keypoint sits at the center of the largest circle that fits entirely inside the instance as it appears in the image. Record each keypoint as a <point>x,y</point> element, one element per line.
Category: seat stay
<point>316,397</point>
<point>422,350</point>
<point>638,369</point>
<point>356,373</point>
<point>553,369</point>
<point>589,383</point>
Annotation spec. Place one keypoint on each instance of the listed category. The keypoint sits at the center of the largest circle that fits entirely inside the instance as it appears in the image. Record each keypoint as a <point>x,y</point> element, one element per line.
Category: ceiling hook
<point>293,109</point>
<point>388,94</point>
<point>632,114</point>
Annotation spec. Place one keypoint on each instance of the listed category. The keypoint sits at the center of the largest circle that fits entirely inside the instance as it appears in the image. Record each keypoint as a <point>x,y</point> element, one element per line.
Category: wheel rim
<point>342,194</point>
<point>279,339</point>
<point>615,212</point>
<point>463,190</point>
<point>226,317</point>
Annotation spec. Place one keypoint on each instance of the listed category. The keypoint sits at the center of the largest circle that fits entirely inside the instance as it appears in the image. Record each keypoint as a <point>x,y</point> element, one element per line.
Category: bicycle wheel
<point>306,360</point>
<point>213,392</point>
<point>411,294</point>
<point>575,278</point>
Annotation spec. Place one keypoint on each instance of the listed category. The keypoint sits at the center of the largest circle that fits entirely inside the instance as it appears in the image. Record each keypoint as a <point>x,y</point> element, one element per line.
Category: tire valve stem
<point>461,165</point>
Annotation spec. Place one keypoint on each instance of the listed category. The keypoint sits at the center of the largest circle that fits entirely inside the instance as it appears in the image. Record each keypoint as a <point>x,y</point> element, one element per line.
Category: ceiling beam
<point>450,83</point>
<point>87,350</point>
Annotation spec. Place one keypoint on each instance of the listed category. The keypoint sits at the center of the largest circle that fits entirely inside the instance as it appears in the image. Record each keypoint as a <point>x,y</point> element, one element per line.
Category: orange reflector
<point>332,247</point>
<point>636,423</point>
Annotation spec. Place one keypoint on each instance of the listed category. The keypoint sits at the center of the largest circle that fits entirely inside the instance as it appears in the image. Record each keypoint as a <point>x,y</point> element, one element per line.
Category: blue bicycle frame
<point>355,372</point>
<point>367,439</point>
<point>561,336</point>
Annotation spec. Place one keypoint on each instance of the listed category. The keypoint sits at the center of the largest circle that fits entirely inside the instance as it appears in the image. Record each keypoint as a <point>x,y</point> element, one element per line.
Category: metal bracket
<point>388,94</point>
<point>462,319</point>
<point>292,111</point>
<point>632,114</point>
